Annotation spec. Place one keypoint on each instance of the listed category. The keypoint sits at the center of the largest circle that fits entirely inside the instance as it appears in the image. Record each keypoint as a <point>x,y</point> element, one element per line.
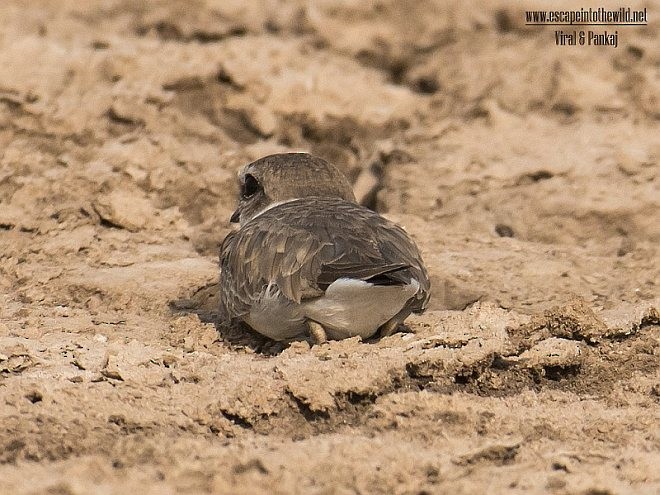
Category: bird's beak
<point>236,216</point>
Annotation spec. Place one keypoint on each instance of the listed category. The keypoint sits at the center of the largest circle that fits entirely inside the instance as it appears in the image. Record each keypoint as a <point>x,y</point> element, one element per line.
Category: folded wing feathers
<point>303,255</point>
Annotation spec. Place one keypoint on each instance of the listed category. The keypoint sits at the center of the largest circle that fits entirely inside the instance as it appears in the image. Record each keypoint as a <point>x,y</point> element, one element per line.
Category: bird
<point>308,261</point>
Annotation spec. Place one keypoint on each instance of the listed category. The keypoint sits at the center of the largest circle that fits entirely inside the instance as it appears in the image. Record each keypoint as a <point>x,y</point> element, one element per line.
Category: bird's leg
<point>317,332</point>
<point>389,327</point>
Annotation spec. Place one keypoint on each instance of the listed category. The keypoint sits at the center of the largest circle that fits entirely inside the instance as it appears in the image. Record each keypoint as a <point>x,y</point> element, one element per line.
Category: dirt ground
<point>526,172</point>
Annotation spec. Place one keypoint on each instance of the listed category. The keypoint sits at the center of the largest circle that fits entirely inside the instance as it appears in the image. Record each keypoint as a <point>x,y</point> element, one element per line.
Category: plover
<point>307,260</point>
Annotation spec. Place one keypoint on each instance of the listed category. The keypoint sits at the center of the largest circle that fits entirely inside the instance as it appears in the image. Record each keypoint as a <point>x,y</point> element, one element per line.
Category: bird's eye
<point>250,187</point>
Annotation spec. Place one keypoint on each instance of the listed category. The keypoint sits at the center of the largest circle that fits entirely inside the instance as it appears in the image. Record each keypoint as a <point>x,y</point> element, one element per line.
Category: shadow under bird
<point>308,260</point>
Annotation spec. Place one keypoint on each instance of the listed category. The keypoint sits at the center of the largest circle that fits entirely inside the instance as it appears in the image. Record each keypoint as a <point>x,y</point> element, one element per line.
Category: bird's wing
<point>257,256</point>
<point>303,246</point>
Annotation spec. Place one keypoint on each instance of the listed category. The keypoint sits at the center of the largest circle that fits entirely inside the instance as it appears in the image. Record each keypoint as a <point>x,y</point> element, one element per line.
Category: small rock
<point>111,369</point>
<point>575,321</point>
<point>124,210</point>
<point>554,352</point>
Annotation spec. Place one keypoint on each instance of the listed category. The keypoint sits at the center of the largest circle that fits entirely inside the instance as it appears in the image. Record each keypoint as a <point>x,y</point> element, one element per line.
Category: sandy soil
<point>526,172</point>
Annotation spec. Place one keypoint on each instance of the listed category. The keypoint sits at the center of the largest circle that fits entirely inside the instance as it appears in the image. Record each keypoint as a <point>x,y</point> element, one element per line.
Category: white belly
<point>353,307</point>
<point>348,308</point>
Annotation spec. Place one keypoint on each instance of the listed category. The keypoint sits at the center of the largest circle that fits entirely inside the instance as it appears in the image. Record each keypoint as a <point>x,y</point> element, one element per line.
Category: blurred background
<point>138,115</point>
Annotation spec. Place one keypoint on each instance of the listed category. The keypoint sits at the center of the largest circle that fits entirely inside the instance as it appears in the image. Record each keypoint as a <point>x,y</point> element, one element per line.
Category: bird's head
<point>283,177</point>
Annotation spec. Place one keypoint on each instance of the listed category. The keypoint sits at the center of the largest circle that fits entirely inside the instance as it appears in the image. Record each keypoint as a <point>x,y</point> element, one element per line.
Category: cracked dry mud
<point>527,173</point>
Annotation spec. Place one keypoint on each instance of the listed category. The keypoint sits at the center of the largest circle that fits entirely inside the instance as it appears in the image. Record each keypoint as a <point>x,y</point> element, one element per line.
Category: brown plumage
<point>294,244</point>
